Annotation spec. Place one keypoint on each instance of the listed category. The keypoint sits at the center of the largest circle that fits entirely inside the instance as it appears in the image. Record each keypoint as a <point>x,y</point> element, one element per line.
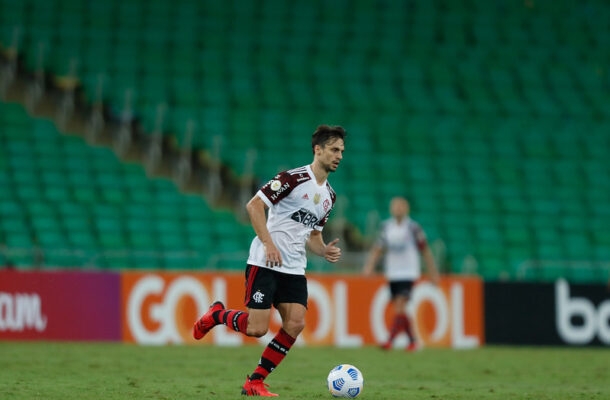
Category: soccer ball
<point>345,380</point>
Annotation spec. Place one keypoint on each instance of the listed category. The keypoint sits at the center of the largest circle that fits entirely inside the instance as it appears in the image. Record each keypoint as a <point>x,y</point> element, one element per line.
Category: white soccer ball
<point>345,380</point>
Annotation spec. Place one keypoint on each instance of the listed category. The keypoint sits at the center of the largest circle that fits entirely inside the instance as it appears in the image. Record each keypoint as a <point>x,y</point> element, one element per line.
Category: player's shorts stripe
<point>252,271</point>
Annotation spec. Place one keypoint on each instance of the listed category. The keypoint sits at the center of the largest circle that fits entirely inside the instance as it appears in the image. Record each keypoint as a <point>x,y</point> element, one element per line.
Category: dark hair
<point>324,133</point>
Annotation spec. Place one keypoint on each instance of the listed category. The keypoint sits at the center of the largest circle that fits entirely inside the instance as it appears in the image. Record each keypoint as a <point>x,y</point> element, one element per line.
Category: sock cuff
<point>285,338</point>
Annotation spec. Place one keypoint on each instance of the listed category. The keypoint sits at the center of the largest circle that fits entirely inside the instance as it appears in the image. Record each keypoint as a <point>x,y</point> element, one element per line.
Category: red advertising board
<point>59,305</point>
<point>160,308</point>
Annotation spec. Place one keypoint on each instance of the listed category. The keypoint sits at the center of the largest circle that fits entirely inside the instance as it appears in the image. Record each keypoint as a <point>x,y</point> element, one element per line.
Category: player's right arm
<point>375,253</point>
<point>371,262</point>
<point>256,210</point>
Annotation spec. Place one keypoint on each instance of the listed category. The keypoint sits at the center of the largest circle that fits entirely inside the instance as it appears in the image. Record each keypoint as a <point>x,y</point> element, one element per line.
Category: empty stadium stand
<point>67,204</point>
<point>492,117</point>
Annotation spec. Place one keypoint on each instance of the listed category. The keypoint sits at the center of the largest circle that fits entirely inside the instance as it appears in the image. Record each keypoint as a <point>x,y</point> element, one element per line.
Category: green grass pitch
<point>41,370</point>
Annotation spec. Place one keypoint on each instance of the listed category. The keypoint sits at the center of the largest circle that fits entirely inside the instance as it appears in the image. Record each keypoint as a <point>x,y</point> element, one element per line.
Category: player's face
<point>330,155</point>
<point>399,207</point>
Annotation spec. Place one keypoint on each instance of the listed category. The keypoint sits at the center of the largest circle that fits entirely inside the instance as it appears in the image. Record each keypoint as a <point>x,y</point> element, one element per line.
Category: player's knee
<point>294,328</point>
<point>257,331</point>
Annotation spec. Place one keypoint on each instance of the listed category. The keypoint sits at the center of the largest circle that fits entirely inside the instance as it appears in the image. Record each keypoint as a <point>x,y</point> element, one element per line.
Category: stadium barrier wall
<point>60,305</point>
<point>159,308</point>
<point>554,314</point>
<point>343,310</point>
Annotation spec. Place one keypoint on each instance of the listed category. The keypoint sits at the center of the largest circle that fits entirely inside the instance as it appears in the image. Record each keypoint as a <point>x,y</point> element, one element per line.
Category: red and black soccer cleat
<point>256,387</point>
<point>413,347</point>
<point>206,322</point>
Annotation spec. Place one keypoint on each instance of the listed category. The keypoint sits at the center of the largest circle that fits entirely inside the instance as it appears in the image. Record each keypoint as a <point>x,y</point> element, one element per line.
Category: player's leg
<point>395,328</point>
<point>291,302</point>
<point>402,319</point>
<point>258,322</point>
<point>293,318</point>
<point>272,355</point>
<point>260,289</point>
<point>293,322</point>
<point>401,310</point>
<point>409,330</point>
<point>398,304</point>
<point>400,292</point>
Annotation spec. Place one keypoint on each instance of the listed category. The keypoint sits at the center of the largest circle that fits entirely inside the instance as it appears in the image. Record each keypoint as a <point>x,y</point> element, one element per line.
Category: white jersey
<point>297,205</point>
<point>402,243</point>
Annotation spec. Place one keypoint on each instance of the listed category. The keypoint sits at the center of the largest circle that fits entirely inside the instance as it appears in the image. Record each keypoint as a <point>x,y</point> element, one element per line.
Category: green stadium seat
<point>88,219</point>
<point>477,115</point>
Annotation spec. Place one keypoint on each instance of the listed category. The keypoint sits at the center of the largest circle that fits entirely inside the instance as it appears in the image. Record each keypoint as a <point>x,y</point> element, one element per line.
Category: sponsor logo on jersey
<point>305,217</point>
<point>316,198</point>
<point>305,197</point>
<point>279,189</point>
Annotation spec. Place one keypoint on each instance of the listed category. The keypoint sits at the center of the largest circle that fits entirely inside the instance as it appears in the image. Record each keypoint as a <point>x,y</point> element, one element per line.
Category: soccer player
<point>299,203</point>
<point>403,242</point>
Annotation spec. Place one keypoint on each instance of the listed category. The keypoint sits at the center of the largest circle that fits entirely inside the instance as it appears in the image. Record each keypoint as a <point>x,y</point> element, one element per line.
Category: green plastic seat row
<point>490,162</point>
<point>79,224</point>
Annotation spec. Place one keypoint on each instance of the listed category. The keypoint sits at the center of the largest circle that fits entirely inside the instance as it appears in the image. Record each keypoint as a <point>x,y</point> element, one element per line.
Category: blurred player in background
<point>403,243</point>
<point>299,203</point>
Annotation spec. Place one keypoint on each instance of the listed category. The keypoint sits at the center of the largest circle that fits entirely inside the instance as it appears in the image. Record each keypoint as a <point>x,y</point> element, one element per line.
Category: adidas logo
<point>305,197</point>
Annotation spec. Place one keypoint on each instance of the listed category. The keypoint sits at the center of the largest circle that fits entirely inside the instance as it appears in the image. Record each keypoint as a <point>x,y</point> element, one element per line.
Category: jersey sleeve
<point>420,236</point>
<point>277,188</point>
<point>320,225</point>
<point>333,198</point>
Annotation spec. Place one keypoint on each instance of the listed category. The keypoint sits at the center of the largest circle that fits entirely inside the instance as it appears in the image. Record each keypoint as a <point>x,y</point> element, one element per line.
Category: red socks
<point>401,323</point>
<point>275,351</point>
<point>408,329</point>
<point>396,328</point>
<point>234,319</point>
<point>273,354</point>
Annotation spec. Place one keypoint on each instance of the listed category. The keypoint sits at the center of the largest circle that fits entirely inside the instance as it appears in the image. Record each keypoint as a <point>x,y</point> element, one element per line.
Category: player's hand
<point>332,253</point>
<point>274,257</point>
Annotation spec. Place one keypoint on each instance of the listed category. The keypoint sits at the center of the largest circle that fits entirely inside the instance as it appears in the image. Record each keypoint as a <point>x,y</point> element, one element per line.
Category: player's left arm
<point>426,253</point>
<point>329,251</point>
<point>430,264</point>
